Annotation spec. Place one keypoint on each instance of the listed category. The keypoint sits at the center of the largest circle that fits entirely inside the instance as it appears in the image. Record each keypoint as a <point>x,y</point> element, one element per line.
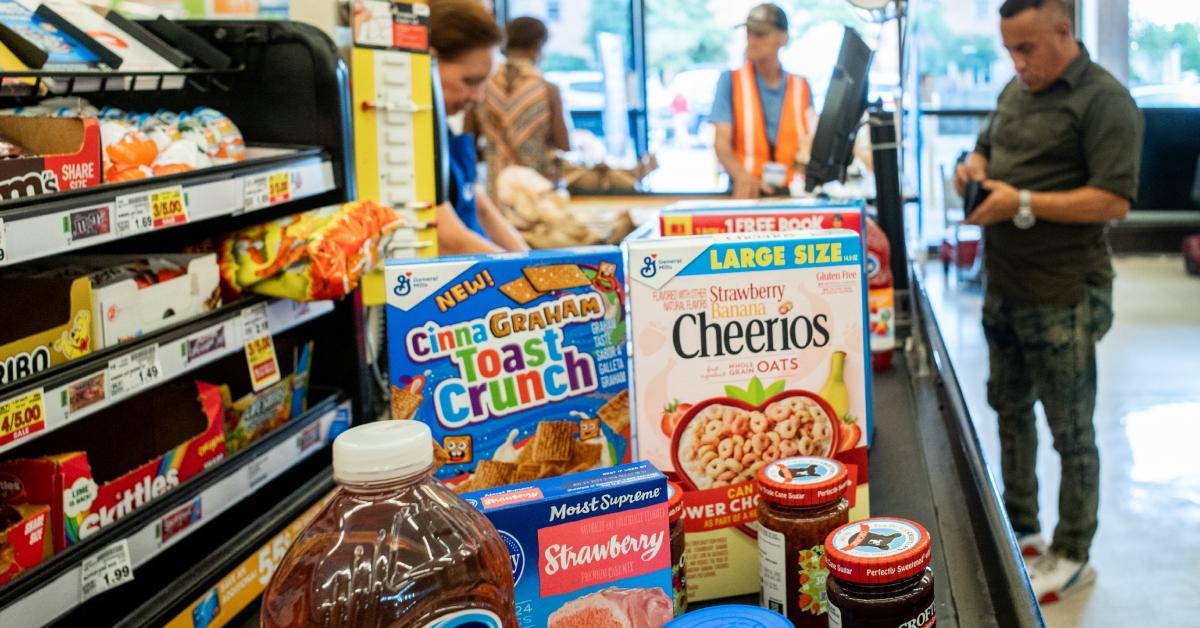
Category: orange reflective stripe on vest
<point>750,142</point>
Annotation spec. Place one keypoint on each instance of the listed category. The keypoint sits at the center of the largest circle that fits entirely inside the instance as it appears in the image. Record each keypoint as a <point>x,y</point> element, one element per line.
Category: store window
<point>961,67</point>
<point>1164,52</point>
<point>689,45</point>
<point>591,42</point>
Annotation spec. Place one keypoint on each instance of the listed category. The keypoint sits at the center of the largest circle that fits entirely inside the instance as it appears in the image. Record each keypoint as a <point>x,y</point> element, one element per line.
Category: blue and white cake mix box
<point>516,361</point>
<point>592,549</point>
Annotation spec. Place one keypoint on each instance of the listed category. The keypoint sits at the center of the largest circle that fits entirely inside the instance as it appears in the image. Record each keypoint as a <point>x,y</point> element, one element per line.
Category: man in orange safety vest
<point>763,116</point>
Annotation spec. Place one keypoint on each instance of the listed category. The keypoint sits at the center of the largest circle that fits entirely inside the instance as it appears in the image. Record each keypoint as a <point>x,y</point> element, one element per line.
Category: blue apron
<point>463,164</point>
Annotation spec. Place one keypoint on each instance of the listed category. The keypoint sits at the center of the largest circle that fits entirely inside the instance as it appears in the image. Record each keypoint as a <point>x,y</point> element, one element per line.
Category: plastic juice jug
<point>393,547</point>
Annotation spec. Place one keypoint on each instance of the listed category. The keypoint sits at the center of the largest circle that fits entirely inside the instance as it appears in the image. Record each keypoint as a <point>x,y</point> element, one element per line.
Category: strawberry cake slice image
<point>615,608</point>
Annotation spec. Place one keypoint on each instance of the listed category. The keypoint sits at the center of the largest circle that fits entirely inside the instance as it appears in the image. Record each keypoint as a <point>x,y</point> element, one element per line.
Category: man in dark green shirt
<point>1060,158</point>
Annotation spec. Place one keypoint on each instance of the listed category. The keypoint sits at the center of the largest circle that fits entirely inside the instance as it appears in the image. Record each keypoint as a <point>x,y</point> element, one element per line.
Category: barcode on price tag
<point>133,371</point>
<point>131,215</point>
<point>108,568</point>
<point>22,416</point>
<point>255,322</point>
<point>168,207</point>
<point>260,347</point>
<point>256,193</point>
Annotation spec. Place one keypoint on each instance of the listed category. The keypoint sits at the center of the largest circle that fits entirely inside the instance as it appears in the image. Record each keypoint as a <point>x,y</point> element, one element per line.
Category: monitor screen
<point>1170,177</point>
<point>841,117</point>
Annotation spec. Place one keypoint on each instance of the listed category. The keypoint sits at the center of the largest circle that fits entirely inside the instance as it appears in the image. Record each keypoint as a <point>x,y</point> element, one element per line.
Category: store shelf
<point>143,364</point>
<point>40,226</point>
<point>238,570</point>
<point>56,587</point>
<point>64,83</point>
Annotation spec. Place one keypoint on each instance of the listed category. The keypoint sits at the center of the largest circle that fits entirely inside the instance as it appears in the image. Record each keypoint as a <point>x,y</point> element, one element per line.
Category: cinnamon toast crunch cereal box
<point>517,362</point>
<point>747,349</point>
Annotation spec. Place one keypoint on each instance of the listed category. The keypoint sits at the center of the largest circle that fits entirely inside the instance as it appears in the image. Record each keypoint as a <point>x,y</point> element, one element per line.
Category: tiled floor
<point>1147,551</point>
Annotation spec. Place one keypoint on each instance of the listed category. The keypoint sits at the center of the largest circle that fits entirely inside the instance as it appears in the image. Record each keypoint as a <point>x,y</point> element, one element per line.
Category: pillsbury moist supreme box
<point>591,549</point>
<point>517,362</point>
<point>746,349</point>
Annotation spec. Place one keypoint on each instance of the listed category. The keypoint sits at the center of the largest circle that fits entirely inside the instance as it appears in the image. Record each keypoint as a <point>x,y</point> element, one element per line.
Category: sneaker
<point>1053,577</point>
<point>1032,546</point>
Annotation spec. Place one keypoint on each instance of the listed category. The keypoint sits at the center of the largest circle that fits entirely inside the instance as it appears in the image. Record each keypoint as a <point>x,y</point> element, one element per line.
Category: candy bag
<point>313,256</point>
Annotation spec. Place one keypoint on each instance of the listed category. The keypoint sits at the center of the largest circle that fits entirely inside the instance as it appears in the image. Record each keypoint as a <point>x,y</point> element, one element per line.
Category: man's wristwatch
<point>1025,218</point>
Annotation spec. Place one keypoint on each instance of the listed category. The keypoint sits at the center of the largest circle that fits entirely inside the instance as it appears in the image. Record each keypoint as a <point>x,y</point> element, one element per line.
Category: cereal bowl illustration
<point>723,441</point>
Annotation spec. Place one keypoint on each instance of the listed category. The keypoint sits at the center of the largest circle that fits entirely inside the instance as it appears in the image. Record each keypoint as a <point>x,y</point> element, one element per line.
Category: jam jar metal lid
<point>877,551</point>
<point>674,502</point>
<point>731,616</point>
<point>803,481</point>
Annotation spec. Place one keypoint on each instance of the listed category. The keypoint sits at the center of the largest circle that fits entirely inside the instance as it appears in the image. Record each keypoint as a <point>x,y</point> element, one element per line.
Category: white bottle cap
<point>381,451</point>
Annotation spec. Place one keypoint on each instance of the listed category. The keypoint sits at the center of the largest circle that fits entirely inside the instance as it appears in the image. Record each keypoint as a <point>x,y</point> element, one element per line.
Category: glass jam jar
<point>801,500</point>
<point>678,547</point>
<point>880,575</point>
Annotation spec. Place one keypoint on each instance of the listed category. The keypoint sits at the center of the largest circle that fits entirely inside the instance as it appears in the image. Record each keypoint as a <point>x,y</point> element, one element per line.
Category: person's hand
<point>749,186</point>
<point>1001,204</point>
<point>974,168</point>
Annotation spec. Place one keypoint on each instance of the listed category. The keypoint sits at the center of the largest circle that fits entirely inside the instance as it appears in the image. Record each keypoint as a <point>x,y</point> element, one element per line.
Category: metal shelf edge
<point>175,358</point>
<point>233,481</point>
<point>42,229</point>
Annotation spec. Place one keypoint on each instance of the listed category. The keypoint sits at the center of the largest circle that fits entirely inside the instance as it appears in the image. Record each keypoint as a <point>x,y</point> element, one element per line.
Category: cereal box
<point>517,362</point>
<point>746,349</point>
<point>711,217</point>
<point>592,549</point>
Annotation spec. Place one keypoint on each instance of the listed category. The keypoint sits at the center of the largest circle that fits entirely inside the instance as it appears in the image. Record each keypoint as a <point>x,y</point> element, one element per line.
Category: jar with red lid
<point>678,547</point>
<point>880,575</point>
<point>801,500</point>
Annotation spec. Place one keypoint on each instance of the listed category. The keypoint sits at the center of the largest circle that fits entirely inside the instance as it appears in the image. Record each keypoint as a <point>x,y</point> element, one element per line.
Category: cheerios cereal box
<point>517,362</point>
<point>746,348</point>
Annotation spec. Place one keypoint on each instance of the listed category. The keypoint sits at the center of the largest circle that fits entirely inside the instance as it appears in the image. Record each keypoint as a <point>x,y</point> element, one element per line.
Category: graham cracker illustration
<point>615,412</point>
<point>520,290</point>
<point>554,440</point>
<point>404,403</point>
<point>490,474</point>
<point>584,456</point>
<point>527,473</point>
<point>556,277</point>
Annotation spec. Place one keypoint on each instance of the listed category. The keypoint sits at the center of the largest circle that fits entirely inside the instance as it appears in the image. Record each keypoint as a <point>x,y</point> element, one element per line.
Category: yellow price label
<point>279,188</point>
<point>261,360</point>
<point>168,207</point>
<point>22,416</point>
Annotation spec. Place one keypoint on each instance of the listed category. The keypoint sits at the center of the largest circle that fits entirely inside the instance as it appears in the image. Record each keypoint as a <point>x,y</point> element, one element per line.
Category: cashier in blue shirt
<point>465,39</point>
<point>763,116</point>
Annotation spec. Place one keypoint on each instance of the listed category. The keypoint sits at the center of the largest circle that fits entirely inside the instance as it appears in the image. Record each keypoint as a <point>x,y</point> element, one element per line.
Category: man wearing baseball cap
<point>764,117</point>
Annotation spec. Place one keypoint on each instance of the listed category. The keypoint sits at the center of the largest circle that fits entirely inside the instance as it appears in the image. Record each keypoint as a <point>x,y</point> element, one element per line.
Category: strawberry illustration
<point>848,433</point>
<point>671,416</point>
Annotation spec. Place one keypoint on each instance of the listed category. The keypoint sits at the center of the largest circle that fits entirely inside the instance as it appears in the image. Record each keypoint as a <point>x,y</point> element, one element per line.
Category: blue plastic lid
<point>731,616</point>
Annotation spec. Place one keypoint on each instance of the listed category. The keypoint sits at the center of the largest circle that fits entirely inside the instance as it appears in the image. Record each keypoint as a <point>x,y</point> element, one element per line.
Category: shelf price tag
<point>133,371</point>
<point>22,416</point>
<point>279,186</point>
<point>132,215</point>
<point>256,193</point>
<point>168,207</point>
<point>260,347</point>
<point>106,569</point>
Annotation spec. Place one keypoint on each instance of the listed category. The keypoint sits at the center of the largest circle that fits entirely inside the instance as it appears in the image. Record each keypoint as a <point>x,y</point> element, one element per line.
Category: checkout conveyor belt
<point>926,464</point>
